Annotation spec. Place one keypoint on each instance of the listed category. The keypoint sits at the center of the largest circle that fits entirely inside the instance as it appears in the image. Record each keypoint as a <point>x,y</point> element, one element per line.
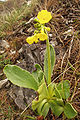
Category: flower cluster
<point>43,17</point>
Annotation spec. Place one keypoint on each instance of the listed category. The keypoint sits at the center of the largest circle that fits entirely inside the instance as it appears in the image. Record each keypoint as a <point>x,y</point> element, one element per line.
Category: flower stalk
<point>49,60</point>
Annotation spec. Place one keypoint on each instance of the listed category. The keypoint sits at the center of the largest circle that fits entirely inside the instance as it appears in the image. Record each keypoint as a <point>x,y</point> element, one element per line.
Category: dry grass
<point>14,17</point>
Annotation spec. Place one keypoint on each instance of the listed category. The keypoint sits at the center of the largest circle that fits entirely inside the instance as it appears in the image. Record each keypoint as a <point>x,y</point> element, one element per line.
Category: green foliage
<point>20,77</point>
<point>38,73</point>
<point>49,98</point>
<point>56,107</point>
<point>57,92</point>
<point>52,56</point>
<point>69,111</point>
<point>46,101</point>
<point>30,118</point>
<point>4,62</point>
<point>42,103</point>
<point>64,89</point>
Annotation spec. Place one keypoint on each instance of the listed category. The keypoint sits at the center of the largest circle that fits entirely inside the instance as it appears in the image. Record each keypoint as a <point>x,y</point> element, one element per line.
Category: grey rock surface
<point>30,54</point>
<point>21,96</point>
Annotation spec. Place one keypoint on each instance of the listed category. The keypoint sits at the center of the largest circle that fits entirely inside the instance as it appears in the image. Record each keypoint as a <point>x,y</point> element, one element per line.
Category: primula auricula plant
<point>52,96</point>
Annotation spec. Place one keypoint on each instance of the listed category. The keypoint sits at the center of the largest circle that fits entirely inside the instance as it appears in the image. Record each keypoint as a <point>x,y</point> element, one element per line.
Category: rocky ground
<point>64,36</point>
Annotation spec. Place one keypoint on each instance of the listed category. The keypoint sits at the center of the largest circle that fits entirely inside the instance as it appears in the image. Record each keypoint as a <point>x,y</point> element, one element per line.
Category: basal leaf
<point>55,107</point>
<point>20,77</point>
<point>51,89</point>
<point>57,92</point>
<point>69,111</point>
<point>36,104</point>
<point>64,89</point>
<point>38,73</point>
<point>43,91</point>
<point>45,109</point>
<point>40,107</point>
<point>38,67</point>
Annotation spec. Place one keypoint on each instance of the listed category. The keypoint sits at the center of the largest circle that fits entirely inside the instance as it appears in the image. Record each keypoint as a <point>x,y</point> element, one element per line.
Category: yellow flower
<point>36,38</point>
<point>44,16</point>
<point>29,40</point>
<point>47,28</point>
<point>32,39</point>
<point>42,36</point>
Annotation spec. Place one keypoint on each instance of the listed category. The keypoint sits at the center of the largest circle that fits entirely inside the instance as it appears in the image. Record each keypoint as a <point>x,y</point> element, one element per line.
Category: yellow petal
<point>36,38</point>
<point>44,16</point>
<point>42,36</point>
<point>30,40</point>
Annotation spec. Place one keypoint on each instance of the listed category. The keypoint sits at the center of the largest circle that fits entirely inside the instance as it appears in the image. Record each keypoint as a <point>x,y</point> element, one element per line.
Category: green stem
<point>49,61</point>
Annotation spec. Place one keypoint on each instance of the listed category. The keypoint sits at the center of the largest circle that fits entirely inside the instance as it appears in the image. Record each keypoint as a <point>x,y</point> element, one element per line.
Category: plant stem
<point>49,61</point>
<point>63,116</point>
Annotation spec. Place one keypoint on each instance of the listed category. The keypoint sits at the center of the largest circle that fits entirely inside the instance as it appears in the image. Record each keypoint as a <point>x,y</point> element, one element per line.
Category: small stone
<point>50,35</point>
<point>20,50</point>
<point>8,85</point>
<point>3,83</point>
<point>29,2</point>
<point>20,102</point>
<point>5,44</point>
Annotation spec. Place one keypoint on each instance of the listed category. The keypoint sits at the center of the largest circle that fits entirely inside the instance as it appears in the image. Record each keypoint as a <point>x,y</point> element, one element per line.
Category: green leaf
<point>45,109</point>
<point>51,89</point>
<point>52,55</point>
<point>20,77</point>
<point>36,104</point>
<point>64,89</point>
<point>30,117</point>
<point>55,107</point>
<point>43,91</point>
<point>42,103</point>
<point>59,102</point>
<point>41,106</point>
<point>38,67</point>
<point>42,100</point>
<point>38,73</point>
<point>40,76</point>
<point>35,73</point>
<point>57,92</point>
<point>69,111</point>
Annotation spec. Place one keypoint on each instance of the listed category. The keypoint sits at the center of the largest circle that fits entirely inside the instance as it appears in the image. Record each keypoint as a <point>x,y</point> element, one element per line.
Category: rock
<point>8,85</point>
<point>3,83</point>
<point>29,95</point>
<point>29,2</point>
<point>20,99</point>
<point>20,102</point>
<point>30,55</point>
<point>21,96</point>
<point>5,44</point>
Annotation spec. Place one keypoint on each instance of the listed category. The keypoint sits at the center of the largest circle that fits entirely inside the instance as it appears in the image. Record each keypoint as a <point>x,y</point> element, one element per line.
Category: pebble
<point>3,83</point>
